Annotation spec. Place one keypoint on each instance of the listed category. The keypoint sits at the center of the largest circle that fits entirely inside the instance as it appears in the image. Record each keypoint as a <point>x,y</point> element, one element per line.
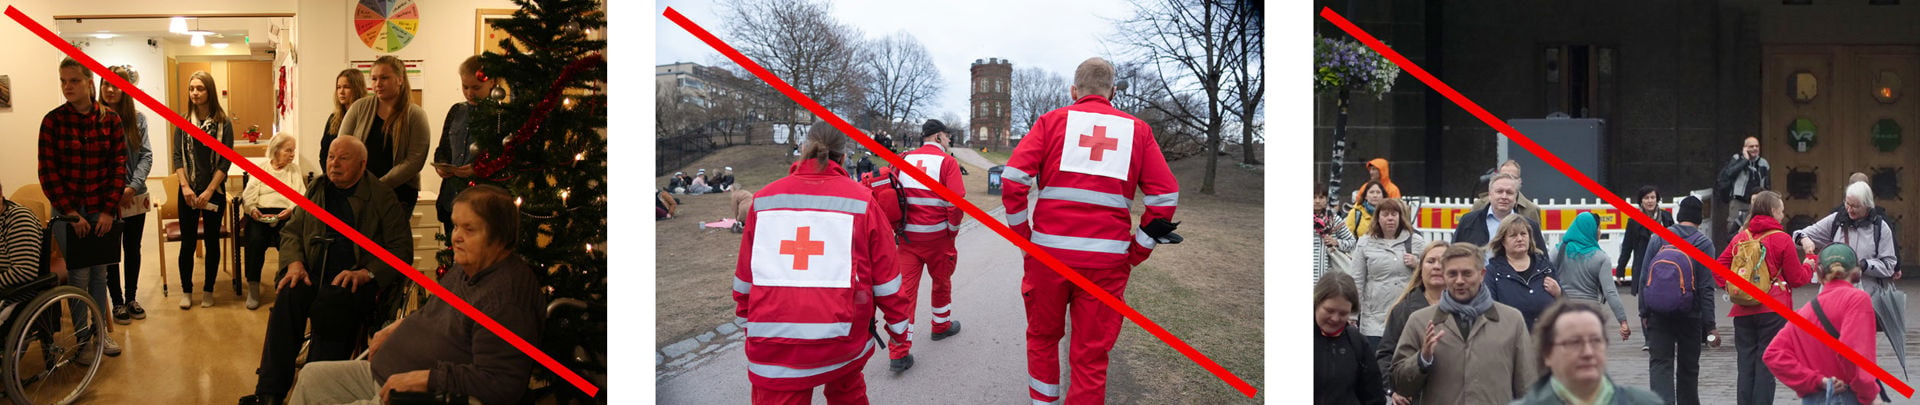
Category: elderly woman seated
<point>267,211</point>
<point>438,349</point>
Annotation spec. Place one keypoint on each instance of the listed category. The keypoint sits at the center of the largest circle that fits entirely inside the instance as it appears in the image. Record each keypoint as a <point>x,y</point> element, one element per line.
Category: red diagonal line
<point>1674,239</point>
<point>968,207</point>
<point>308,205</point>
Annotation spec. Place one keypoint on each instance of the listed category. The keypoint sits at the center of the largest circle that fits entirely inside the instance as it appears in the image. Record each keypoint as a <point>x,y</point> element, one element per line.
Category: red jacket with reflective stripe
<point>1085,162</point>
<point>815,264</point>
<point>928,216</point>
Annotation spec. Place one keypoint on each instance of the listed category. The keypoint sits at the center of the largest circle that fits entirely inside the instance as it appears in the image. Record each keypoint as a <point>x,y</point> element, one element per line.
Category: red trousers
<point>850,388</point>
<point>1050,298</point>
<point>938,258</point>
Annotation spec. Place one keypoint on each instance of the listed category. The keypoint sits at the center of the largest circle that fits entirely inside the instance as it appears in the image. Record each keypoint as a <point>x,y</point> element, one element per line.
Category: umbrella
<point>1889,308</point>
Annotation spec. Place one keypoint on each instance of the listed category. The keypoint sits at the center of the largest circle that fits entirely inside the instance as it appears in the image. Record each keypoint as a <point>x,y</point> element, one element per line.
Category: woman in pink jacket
<point>1810,368</point>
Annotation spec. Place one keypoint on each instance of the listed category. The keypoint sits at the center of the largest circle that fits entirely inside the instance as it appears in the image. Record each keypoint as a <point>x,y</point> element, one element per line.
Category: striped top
<point>22,244</point>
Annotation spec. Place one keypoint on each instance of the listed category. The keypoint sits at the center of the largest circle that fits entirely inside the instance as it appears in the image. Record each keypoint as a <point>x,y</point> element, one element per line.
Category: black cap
<point>1689,210</point>
<point>932,127</point>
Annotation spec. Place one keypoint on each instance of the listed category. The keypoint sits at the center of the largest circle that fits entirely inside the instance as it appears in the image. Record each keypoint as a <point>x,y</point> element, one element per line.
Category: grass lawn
<point>1208,291</point>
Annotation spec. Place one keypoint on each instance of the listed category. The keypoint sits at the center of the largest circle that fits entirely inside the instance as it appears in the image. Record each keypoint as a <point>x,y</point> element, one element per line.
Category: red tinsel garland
<point>487,164</point>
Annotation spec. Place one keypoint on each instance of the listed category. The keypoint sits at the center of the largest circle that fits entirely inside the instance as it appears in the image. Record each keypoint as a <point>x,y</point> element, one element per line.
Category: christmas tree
<point>543,137</point>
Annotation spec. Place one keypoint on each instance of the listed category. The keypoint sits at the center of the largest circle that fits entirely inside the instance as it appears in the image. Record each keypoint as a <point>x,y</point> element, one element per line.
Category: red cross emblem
<point>802,247</point>
<point>1099,142</point>
<point>922,165</point>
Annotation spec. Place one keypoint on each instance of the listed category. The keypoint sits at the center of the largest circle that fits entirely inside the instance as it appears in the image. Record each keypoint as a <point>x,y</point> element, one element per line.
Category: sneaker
<point>253,296</point>
<point>1645,348</point>
<point>80,355</point>
<point>952,330</point>
<point>112,348</point>
<point>206,299</point>
<point>120,315</point>
<point>186,301</point>
<point>134,308</point>
<point>901,364</point>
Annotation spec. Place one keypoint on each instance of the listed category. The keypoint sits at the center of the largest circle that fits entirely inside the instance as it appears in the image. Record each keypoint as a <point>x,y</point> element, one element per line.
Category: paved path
<point>985,363</point>
<point>1627,364</point>
<point>972,157</point>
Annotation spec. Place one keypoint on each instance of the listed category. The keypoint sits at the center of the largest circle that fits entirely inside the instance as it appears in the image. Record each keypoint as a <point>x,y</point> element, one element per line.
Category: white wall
<point>151,62</point>
<point>321,39</point>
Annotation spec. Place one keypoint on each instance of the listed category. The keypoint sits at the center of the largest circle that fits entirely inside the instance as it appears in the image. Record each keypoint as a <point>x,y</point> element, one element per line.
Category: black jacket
<point>1636,240</point>
<point>1472,228</point>
<point>1760,178</point>
<point>1344,371</point>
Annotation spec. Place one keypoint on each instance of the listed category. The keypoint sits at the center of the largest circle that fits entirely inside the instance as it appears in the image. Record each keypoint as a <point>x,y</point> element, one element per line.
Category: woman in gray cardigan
<point>1586,273</point>
<point>395,130</point>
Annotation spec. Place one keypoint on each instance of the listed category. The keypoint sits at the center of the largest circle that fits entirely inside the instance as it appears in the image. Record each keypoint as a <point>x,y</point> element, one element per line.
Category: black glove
<point>1162,231</point>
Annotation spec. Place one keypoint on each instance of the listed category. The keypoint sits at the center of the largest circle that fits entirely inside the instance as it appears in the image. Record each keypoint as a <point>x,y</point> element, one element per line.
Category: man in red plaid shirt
<point>82,154</point>
<point>83,168</point>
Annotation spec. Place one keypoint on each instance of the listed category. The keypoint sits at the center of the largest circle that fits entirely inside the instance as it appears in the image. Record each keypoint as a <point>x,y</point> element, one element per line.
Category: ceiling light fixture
<point>178,25</point>
<point>221,45</point>
<point>104,35</point>
<point>199,40</point>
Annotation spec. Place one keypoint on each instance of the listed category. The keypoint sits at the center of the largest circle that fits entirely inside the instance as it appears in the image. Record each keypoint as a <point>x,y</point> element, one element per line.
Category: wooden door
<point>1858,87</point>
<point>250,90</point>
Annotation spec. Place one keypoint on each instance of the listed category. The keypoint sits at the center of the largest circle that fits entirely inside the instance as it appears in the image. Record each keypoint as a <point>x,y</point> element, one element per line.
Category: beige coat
<point>409,156</point>
<point>1494,367</point>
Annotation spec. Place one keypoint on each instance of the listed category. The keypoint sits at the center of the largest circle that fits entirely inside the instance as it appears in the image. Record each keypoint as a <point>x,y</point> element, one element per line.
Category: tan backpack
<point>1750,261</point>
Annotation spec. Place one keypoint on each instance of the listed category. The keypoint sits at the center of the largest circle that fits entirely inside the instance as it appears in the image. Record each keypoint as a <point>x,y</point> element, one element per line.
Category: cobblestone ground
<point>1628,365</point>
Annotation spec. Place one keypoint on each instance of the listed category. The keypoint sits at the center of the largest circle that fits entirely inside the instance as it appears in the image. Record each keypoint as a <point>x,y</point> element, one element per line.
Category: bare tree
<point>1192,40</point>
<point>956,126</point>
<point>1036,91</point>
<point>901,77</point>
<point>799,41</point>
<point>1248,73</point>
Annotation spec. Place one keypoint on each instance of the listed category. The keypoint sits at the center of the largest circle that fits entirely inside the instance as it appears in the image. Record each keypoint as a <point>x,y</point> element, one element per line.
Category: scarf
<point>1604,396</point>
<point>1583,237</point>
<point>1467,310</point>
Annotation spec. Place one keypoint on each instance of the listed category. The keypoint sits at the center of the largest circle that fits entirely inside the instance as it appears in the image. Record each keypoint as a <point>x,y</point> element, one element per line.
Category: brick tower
<point>991,101</point>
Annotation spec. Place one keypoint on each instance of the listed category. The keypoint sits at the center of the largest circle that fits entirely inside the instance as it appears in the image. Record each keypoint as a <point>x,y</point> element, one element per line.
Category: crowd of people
<point>1497,316</point>
<point>94,163</point>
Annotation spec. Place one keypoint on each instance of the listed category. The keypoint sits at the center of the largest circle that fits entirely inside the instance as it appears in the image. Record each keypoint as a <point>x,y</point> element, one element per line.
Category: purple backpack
<point>1669,288</point>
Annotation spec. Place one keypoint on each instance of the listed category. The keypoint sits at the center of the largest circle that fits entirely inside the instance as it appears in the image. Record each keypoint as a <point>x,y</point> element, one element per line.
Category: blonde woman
<point>267,210</point>
<point>1429,283</point>
<point>1520,273</point>
<point>201,173</point>
<point>1383,264</point>
<point>348,86</point>
<point>394,130</point>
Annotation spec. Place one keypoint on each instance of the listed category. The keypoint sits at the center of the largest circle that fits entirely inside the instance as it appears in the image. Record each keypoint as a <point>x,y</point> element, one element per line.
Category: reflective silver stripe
<point>1162,200</point>
<point>742,286</point>
<point>1145,241</point>
<point>1039,402</point>
<point>812,202</point>
<point>773,371</point>
<point>1051,390</point>
<point>901,327</point>
<point>887,288</point>
<point>1013,174</point>
<point>1080,244</point>
<point>1017,218</point>
<point>930,202</point>
<point>942,310</point>
<point>882,182</point>
<point>1084,196</point>
<point>798,330</point>
<point>939,319</point>
<point>941,227</point>
<point>740,320</point>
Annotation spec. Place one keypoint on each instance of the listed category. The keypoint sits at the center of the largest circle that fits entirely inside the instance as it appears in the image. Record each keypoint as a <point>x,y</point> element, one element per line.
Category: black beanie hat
<point>932,127</point>
<point>1689,210</point>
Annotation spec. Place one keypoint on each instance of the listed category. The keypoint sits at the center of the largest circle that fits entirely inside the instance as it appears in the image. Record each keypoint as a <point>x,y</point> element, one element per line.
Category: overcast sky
<point>1055,37</point>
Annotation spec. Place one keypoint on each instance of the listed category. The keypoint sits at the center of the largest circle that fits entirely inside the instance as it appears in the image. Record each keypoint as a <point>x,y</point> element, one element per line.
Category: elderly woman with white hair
<point>267,210</point>
<point>1861,227</point>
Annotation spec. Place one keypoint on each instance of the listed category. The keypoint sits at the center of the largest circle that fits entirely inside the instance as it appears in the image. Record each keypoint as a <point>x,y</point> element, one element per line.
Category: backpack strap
<point>1824,322</point>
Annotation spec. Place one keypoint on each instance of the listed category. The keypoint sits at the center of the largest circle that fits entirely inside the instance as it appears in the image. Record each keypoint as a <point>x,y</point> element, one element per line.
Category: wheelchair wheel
<point>51,353</point>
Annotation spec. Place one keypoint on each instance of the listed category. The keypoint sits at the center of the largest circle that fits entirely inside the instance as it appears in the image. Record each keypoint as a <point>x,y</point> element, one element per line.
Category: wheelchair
<point>50,356</point>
